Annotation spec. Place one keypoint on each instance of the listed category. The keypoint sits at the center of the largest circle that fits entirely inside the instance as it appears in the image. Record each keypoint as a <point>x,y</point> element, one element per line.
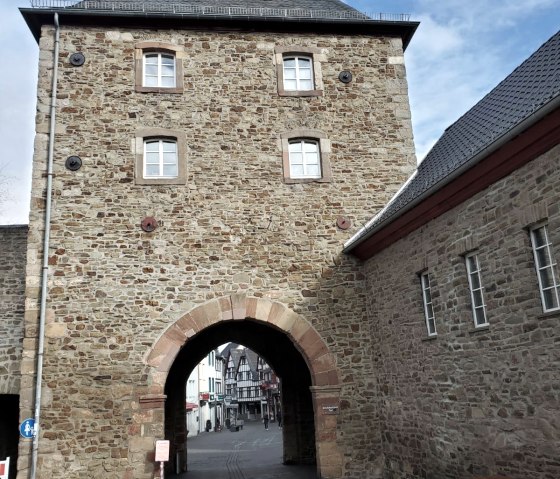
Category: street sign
<point>162,451</point>
<point>27,428</point>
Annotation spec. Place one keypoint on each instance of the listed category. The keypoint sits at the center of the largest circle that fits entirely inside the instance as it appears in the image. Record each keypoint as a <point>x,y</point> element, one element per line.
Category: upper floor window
<point>428,305</point>
<point>298,71</point>
<point>159,70</point>
<point>306,156</point>
<point>547,269</point>
<point>160,157</point>
<point>476,289</point>
<point>159,67</point>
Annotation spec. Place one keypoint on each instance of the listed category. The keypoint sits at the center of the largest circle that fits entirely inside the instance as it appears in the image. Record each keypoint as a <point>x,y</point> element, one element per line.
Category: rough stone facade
<point>234,227</point>
<point>12,291</point>
<point>471,402</point>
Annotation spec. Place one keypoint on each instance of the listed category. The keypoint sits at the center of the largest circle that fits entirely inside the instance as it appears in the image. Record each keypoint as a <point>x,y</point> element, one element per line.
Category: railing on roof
<point>183,9</point>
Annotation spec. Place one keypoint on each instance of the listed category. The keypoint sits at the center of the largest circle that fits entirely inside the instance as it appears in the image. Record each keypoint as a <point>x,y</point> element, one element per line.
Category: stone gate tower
<point>206,161</point>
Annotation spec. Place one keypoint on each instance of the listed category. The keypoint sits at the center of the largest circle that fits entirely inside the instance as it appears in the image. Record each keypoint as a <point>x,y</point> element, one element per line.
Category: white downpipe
<point>46,244</point>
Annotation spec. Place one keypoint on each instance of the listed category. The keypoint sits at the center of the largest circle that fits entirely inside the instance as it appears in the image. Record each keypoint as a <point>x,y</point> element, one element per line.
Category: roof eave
<point>368,235</point>
<point>35,18</point>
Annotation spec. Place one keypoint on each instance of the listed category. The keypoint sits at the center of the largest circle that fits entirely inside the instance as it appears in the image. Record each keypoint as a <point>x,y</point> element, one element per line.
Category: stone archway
<point>325,388</point>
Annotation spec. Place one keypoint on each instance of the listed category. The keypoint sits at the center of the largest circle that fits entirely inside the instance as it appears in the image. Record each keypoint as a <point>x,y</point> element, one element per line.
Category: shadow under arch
<point>286,340</point>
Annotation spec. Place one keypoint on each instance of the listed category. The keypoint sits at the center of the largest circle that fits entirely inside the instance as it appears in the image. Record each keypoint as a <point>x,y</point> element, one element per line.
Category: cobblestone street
<point>251,453</point>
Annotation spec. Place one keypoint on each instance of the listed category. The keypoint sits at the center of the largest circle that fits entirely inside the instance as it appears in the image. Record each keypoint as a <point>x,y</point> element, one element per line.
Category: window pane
<point>289,63</point>
<point>150,81</point>
<point>169,146</point>
<point>475,281</point>
<point>168,60</point>
<point>313,170</point>
<point>550,299</point>
<point>296,158</point>
<point>309,146</point>
<point>539,236</point>
<point>151,70</point>
<point>295,147</point>
<point>296,171</point>
<point>170,170</point>
<point>477,298</point>
<point>152,146</point>
<point>305,74</point>
<point>170,158</point>
<point>290,74</point>
<point>542,257</point>
<point>152,170</point>
<point>305,85</point>
<point>471,260</point>
<point>290,84</point>
<point>151,59</point>
<point>480,316</point>
<point>547,278</point>
<point>431,326</point>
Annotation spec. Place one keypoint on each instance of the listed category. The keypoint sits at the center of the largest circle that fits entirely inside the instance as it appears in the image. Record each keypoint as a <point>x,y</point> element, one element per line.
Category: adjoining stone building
<point>207,163</point>
<point>13,241</point>
<point>464,291</point>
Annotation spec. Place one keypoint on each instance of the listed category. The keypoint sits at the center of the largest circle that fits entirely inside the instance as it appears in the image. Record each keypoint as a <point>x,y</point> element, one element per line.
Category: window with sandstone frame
<point>298,71</point>
<point>158,67</point>
<point>159,157</point>
<point>306,156</point>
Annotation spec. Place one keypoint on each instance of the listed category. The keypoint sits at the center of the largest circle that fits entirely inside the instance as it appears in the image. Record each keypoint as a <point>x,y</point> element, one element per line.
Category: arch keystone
<point>239,305</point>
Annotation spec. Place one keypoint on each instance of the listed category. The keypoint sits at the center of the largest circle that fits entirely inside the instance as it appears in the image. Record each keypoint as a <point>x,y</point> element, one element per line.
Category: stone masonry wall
<point>12,300</point>
<point>234,227</point>
<point>471,402</point>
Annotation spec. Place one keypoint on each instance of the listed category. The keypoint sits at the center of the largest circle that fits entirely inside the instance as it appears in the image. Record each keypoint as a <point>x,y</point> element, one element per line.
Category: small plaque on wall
<point>330,409</point>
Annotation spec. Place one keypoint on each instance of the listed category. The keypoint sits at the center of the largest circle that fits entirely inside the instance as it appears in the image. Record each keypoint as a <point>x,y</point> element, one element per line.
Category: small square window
<point>160,159</point>
<point>547,269</point>
<point>298,73</point>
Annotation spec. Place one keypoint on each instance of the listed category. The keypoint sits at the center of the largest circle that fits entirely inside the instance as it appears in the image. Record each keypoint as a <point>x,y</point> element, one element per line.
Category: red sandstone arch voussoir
<point>238,307</point>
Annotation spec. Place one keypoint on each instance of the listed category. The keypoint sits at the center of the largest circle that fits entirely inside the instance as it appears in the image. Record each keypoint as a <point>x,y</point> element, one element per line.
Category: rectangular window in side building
<point>476,290</point>
<point>547,269</point>
<point>428,306</point>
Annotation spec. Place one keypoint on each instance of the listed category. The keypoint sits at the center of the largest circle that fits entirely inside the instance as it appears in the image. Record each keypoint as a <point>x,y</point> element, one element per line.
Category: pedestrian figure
<point>266,421</point>
<point>279,418</point>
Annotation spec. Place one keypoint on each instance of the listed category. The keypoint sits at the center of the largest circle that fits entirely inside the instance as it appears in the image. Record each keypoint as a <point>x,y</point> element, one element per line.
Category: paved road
<point>251,453</point>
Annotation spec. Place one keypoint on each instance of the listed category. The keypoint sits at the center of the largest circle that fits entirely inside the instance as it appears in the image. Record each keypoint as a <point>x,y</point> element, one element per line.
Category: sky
<point>461,50</point>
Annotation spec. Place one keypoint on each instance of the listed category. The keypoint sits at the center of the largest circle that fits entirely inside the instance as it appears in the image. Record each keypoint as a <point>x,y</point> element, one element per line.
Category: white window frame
<point>160,75</point>
<point>306,157</point>
<point>161,163</point>
<point>298,72</point>
<point>476,290</point>
<point>428,304</point>
<point>544,261</point>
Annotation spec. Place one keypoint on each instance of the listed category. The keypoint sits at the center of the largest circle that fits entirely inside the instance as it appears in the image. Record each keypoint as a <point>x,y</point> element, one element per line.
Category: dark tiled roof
<point>527,89</point>
<point>160,5</point>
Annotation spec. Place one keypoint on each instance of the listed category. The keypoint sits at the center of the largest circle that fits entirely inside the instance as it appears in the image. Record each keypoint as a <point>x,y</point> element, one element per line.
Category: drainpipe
<point>46,243</point>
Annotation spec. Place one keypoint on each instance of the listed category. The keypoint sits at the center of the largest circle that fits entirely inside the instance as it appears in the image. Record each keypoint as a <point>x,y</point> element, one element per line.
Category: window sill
<point>429,338</point>
<point>549,314</point>
<point>300,93</point>
<point>294,181</point>
<point>161,181</point>
<point>151,89</point>
<point>478,329</point>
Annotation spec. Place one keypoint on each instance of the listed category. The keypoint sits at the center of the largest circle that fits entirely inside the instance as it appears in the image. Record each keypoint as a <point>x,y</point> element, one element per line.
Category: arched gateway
<point>311,386</point>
